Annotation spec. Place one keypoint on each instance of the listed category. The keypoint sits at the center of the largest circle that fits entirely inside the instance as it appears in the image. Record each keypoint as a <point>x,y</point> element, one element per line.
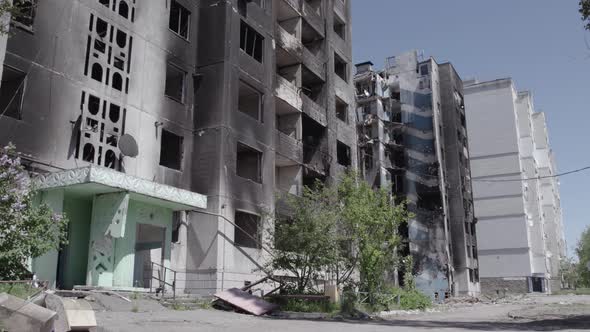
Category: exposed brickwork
<point>495,286</point>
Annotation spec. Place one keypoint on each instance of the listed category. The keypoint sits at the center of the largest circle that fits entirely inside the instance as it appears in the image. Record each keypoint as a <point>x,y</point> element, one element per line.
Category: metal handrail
<point>162,280</point>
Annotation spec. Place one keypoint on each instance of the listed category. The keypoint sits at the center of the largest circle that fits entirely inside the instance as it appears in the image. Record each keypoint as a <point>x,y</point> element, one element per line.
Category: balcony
<point>340,8</point>
<point>313,110</point>
<point>313,16</point>
<point>288,93</point>
<point>288,8</point>
<point>316,159</point>
<point>289,150</point>
<point>288,42</point>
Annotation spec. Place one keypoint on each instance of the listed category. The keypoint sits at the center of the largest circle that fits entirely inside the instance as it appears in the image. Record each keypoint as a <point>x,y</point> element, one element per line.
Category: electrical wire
<point>536,178</point>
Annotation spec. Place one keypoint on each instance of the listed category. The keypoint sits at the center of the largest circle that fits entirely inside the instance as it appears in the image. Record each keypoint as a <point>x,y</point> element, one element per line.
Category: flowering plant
<point>28,229</point>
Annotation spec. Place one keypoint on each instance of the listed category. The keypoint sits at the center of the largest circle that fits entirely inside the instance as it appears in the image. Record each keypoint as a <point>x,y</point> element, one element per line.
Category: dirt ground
<point>528,313</point>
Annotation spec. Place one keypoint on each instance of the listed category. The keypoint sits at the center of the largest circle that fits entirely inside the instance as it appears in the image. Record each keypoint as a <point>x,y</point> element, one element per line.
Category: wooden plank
<point>246,301</point>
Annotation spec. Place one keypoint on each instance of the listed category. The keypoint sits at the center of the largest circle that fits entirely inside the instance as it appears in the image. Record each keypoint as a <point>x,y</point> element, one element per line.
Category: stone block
<point>19,315</point>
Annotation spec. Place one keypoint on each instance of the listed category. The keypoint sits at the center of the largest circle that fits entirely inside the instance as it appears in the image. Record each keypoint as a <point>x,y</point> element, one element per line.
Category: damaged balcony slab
<point>100,180</point>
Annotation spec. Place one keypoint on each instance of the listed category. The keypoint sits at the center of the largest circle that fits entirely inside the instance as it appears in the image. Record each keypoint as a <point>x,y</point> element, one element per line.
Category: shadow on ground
<point>581,322</point>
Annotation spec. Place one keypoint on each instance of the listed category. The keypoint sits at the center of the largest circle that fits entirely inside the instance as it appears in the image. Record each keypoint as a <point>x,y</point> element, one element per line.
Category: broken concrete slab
<point>19,315</point>
<point>72,314</point>
<point>246,301</point>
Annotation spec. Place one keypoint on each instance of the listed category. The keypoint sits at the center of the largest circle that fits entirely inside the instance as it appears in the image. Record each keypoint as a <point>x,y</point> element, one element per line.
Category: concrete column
<point>109,217</point>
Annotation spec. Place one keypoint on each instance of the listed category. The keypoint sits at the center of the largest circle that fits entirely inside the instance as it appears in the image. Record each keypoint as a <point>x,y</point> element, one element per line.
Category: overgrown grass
<point>395,299</point>
<point>205,304</point>
<point>18,289</point>
<point>578,291</point>
<point>178,307</point>
<point>305,305</point>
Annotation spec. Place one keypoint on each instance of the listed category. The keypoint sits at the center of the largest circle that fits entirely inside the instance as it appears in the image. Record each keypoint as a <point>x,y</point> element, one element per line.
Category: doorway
<point>537,284</point>
<point>149,248</point>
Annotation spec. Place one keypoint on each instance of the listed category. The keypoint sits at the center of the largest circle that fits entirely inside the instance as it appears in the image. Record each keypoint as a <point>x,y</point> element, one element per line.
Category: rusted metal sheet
<point>246,301</point>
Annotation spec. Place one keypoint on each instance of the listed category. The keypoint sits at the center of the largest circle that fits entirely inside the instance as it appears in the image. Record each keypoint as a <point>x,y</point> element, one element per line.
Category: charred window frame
<point>247,232</point>
<point>25,11</point>
<point>12,92</point>
<point>343,154</point>
<point>180,20</point>
<point>339,27</point>
<point>340,67</point>
<point>251,42</point>
<point>341,110</point>
<point>171,150</point>
<point>249,163</point>
<point>175,83</point>
<point>250,101</point>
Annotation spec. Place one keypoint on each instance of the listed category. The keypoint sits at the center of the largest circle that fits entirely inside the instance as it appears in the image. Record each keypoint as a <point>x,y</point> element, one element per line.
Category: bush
<point>405,299</point>
<point>414,299</point>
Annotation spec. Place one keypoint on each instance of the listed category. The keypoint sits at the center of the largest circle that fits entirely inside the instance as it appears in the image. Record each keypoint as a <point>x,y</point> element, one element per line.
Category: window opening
<point>246,230</point>
<point>171,150</point>
<point>248,163</point>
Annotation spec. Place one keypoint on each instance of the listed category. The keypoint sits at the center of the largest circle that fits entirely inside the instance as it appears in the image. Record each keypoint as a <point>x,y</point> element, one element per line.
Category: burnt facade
<point>236,100</point>
<point>411,132</point>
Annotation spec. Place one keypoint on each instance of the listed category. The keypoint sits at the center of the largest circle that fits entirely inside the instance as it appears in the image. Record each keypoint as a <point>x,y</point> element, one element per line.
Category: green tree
<point>27,230</point>
<point>569,271</point>
<point>583,252</point>
<point>371,221</point>
<point>304,242</point>
<point>584,9</point>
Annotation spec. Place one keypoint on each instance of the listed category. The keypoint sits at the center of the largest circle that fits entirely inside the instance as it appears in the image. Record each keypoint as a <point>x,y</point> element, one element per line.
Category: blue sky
<point>539,43</point>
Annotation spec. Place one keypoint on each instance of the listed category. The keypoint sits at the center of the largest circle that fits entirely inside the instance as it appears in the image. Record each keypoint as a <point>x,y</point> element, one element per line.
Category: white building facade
<point>519,231</point>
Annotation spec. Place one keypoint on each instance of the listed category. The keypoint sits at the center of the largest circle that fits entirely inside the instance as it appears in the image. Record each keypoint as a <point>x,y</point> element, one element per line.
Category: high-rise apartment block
<point>520,231</point>
<point>228,102</point>
<point>412,139</point>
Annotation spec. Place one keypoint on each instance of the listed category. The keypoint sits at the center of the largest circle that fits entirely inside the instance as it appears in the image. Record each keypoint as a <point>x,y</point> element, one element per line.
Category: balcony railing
<point>317,159</point>
<point>288,92</point>
<point>289,147</point>
<point>313,110</point>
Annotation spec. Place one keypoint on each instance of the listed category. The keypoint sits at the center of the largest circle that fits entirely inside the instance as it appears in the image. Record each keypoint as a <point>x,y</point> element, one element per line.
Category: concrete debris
<point>72,314</point>
<point>19,315</point>
<point>246,302</point>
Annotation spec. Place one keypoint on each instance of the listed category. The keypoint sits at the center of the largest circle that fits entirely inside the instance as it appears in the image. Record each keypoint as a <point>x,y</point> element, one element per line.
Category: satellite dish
<point>128,146</point>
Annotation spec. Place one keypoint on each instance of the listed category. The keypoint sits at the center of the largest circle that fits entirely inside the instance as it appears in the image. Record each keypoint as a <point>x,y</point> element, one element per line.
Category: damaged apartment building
<point>412,138</point>
<point>164,129</point>
<point>517,202</point>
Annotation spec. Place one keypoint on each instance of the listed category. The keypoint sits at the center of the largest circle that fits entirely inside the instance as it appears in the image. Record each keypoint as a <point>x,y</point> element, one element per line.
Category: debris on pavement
<point>19,315</point>
<point>245,301</point>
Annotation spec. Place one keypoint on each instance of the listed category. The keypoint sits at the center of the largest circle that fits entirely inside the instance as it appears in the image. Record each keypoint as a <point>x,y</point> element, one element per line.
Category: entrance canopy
<point>93,180</point>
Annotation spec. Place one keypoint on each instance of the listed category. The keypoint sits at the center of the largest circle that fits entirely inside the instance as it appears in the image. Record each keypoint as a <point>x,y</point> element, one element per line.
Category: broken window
<point>249,163</point>
<point>171,150</point>
<point>424,70</point>
<point>246,230</point>
<point>175,83</point>
<point>340,67</point>
<point>179,19</point>
<point>250,101</point>
<point>11,92</point>
<point>251,42</point>
<point>339,27</point>
<point>25,12</point>
<point>343,154</point>
<point>341,110</point>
